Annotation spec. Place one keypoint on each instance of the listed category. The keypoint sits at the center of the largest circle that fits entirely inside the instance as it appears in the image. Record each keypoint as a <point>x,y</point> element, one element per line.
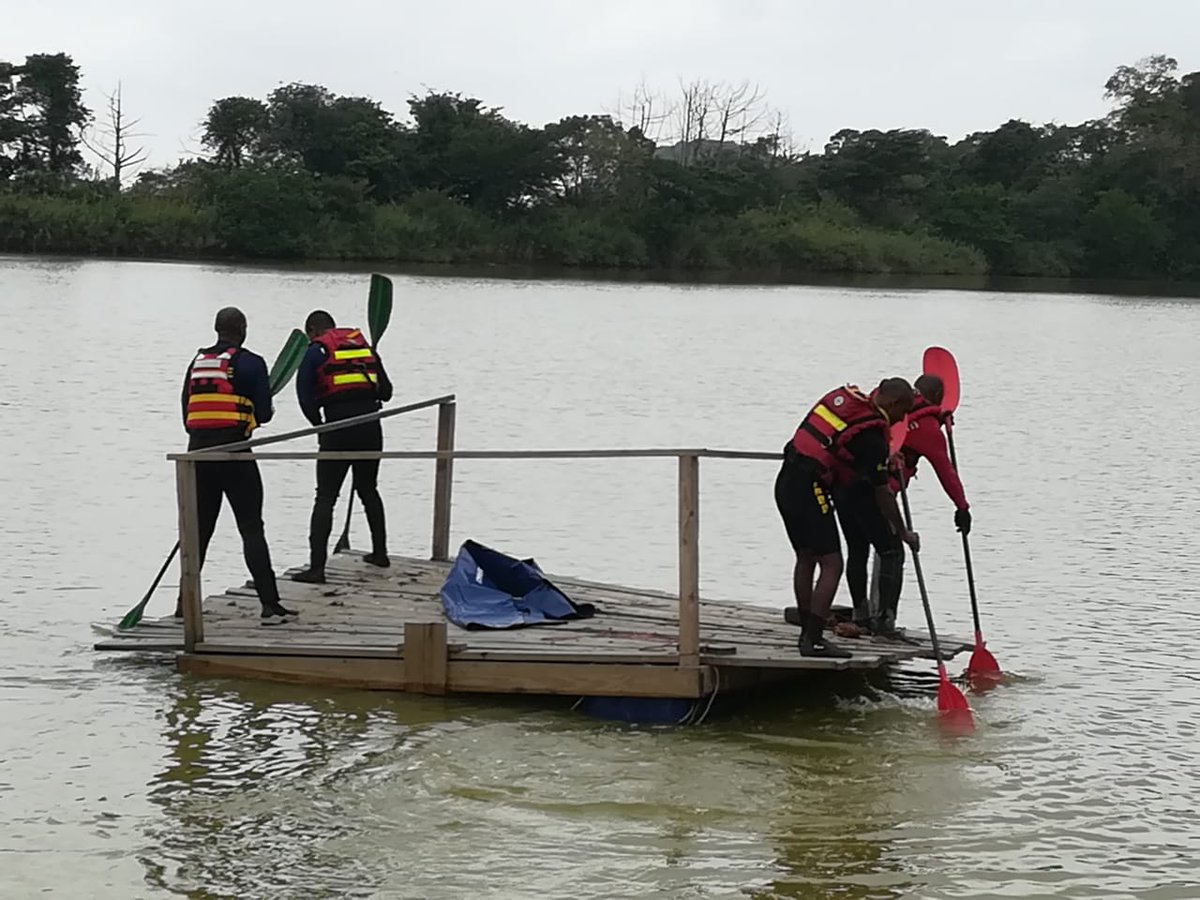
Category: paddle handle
<point>965,542</point>
<point>161,572</point>
<point>343,542</point>
<point>916,558</point>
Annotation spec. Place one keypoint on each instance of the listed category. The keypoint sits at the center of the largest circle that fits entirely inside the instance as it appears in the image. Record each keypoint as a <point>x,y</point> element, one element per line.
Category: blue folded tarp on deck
<point>486,589</point>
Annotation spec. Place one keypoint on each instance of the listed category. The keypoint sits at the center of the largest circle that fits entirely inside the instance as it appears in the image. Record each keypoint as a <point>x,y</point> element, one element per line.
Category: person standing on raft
<point>226,395</point>
<point>924,438</point>
<point>842,445</point>
<point>342,375</point>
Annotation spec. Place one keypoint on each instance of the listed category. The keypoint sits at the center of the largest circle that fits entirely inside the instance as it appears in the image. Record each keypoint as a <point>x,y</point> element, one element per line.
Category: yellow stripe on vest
<point>220,417</point>
<point>354,378</point>
<point>351,354</point>
<point>220,398</point>
<point>825,413</point>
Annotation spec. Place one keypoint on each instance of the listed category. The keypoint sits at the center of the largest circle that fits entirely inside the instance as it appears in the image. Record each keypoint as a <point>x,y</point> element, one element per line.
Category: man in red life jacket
<point>842,443</point>
<point>342,375</point>
<point>924,438</point>
<point>226,395</point>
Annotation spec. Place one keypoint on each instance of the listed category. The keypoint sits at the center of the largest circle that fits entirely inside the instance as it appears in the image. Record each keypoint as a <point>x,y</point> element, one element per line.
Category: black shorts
<point>806,508</point>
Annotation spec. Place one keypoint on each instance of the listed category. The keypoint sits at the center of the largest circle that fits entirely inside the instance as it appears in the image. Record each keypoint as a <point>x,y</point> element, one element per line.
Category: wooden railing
<point>444,456</point>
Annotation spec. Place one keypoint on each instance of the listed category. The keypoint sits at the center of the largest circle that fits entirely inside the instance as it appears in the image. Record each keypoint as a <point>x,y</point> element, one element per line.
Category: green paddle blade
<point>132,617</point>
<point>379,307</point>
<point>288,360</point>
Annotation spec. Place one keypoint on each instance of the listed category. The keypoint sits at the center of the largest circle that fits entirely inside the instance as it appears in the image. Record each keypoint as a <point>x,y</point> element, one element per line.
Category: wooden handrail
<point>445,454</point>
<point>211,454</point>
<point>648,453</point>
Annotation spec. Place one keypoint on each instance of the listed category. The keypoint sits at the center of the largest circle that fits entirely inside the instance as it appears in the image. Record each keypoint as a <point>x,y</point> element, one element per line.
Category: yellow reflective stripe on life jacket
<point>355,378</point>
<point>221,416</point>
<point>220,398</point>
<point>352,354</point>
<point>827,414</point>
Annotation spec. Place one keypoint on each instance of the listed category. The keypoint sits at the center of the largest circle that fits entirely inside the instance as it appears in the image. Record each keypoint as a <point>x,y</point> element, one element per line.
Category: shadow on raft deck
<point>385,630</point>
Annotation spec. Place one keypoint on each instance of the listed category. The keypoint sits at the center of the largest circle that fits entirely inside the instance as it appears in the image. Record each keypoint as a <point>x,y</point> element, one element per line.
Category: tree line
<point>707,179</point>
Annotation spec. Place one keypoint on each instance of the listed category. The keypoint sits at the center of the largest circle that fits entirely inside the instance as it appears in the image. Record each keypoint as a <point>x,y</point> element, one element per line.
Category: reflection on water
<point>120,779</point>
<point>266,791</point>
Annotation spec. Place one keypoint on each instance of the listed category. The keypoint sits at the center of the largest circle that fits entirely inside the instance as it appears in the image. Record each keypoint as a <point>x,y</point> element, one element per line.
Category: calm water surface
<point>121,779</point>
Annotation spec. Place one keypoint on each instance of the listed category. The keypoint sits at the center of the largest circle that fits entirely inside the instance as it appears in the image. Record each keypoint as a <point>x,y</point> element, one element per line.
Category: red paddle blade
<point>896,436</point>
<point>940,362</point>
<point>953,709</point>
<point>983,663</point>
<point>983,672</point>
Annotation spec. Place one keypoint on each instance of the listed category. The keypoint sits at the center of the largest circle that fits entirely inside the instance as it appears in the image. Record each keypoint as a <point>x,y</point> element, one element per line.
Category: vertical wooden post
<point>689,560</point>
<point>443,482</point>
<point>189,553</point>
<point>425,657</point>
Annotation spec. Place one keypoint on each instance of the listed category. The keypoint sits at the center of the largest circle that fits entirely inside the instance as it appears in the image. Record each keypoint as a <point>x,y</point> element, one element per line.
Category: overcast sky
<point>954,66</point>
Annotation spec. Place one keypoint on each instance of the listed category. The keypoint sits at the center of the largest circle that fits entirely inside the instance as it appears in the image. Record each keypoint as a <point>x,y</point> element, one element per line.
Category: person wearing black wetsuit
<point>840,447</point>
<point>226,395</point>
<point>343,377</point>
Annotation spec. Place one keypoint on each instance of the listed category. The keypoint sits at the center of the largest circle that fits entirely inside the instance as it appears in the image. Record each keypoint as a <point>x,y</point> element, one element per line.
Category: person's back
<point>342,377</point>
<point>226,395</point>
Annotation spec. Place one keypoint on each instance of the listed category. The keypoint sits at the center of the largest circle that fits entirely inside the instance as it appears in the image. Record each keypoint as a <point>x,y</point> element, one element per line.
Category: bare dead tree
<point>693,117</point>
<point>704,119</point>
<point>645,109</point>
<point>740,109</point>
<point>110,140</point>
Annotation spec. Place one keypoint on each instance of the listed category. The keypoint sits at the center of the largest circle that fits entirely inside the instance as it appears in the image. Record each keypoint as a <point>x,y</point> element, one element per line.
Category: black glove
<point>962,520</point>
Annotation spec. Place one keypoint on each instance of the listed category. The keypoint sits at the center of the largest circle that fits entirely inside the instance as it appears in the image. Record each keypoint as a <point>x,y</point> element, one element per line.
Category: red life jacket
<point>922,410</point>
<point>350,369</point>
<point>836,418</point>
<point>212,403</point>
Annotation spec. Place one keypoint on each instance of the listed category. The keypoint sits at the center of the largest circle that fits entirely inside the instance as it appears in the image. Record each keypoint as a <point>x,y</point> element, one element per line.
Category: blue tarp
<point>486,589</point>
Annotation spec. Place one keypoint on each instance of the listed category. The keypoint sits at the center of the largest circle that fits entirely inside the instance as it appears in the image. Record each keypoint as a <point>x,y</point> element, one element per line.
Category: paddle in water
<point>379,313</point>
<point>281,373</point>
<point>953,708</point>
<point>983,671</point>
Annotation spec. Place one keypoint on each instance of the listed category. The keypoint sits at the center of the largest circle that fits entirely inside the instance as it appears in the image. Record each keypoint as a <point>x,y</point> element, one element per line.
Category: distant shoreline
<point>766,278</point>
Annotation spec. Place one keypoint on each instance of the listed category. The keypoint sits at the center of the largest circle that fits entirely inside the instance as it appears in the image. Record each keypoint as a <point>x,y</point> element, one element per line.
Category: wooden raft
<point>384,629</point>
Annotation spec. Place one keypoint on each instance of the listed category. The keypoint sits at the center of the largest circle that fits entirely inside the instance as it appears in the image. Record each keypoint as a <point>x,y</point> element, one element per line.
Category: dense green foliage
<point>306,173</point>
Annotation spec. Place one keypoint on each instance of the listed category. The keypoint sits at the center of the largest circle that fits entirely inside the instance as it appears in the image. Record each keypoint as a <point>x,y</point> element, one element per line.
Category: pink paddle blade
<point>940,362</point>
<point>896,436</point>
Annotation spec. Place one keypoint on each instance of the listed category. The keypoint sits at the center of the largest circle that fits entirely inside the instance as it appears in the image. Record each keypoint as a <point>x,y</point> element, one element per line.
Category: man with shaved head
<point>840,448</point>
<point>226,395</point>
